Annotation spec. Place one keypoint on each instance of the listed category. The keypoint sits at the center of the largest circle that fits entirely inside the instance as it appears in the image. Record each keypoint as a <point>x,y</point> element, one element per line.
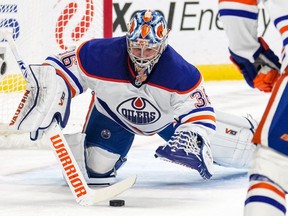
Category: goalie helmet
<point>146,38</point>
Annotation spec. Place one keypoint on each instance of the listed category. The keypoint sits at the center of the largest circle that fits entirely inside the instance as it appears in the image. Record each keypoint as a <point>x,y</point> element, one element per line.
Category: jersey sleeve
<point>240,21</point>
<point>193,110</point>
<point>66,66</point>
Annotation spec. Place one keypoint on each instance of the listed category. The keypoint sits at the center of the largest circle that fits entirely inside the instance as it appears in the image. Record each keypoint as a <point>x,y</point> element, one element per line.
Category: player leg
<point>268,181</point>
<point>101,149</point>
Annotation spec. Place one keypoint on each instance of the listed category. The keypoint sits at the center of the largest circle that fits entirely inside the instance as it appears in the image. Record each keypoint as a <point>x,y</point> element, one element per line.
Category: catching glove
<point>189,149</point>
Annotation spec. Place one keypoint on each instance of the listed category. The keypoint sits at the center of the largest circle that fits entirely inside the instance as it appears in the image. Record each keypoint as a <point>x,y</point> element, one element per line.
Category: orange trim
<point>284,137</point>
<point>248,2</point>
<point>94,76</point>
<point>166,89</point>
<point>147,16</point>
<point>201,117</point>
<point>73,91</point>
<point>264,185</point>
<point>178,92</point>
<point>283,29</point>
<point>91,105</point>
<point>78,59</point>
<point>145,30</point>
<point>257,136</point>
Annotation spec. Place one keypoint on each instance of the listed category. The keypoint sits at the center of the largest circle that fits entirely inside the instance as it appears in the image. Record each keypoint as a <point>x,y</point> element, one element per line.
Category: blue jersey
<point>172,93</point>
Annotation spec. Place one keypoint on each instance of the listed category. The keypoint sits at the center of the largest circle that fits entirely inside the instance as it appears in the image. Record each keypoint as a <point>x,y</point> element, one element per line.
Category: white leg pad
<point>76,144</point>
<point>100,160</point>
<point>270,163</point>
<point>231,145</point>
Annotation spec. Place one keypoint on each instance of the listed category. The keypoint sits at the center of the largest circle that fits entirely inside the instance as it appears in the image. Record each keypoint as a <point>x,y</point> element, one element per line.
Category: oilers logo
<point>138,111</point>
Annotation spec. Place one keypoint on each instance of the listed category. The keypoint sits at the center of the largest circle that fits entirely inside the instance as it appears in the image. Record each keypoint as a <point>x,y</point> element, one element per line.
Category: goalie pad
<point>46,98</point>
<point>231,145</point>
<point>97,165</point>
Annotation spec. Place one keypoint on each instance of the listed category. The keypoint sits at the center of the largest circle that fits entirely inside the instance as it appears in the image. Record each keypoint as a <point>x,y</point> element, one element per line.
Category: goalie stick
<point>75,179</point>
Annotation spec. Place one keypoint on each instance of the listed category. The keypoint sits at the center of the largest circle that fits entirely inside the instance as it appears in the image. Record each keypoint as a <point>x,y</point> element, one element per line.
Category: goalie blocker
<point>47,97</point>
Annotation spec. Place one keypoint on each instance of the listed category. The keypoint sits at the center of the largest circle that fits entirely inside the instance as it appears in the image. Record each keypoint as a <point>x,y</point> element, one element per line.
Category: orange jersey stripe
<point>248,2</point>
<point>201,117</point>
<point>178,92</point>
<point>73,91</point>
<point>283,29</point>
<point>267,186</point>
<point>91,105</point>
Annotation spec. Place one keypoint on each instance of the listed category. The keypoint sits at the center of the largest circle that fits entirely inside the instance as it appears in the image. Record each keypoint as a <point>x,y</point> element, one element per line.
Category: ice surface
<point>31,182</point>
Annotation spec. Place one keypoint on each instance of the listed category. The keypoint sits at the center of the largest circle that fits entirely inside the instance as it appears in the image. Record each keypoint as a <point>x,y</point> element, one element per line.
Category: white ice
<point>31,182</point>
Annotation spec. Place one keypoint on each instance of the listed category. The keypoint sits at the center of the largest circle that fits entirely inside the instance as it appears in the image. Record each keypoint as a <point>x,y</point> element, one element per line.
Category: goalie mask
<point>146,40</point>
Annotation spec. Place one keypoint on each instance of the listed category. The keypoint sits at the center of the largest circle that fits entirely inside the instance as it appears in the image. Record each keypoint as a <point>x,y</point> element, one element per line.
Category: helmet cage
<point>143,60</point>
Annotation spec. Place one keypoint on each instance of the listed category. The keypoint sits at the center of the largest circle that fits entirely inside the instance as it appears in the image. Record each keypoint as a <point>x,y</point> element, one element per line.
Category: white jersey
<point>240,21</point>
<point>172,93</point>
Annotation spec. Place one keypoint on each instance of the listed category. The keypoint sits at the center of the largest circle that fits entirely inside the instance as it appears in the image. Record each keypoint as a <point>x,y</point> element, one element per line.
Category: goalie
<point>140,85</point>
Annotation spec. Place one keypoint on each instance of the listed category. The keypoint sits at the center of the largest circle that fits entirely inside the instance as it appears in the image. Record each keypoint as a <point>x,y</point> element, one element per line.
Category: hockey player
<point>140,85</point>
<point>268,182</point>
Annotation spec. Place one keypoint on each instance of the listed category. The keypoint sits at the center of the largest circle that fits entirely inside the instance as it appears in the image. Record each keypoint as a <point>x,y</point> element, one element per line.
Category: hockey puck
<point>117,203</point>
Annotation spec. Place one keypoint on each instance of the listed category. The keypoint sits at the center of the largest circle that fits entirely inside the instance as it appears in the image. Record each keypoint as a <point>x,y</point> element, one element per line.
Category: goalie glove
<point>46,98</point>
<point>263,73</point>
<point>189,149</point>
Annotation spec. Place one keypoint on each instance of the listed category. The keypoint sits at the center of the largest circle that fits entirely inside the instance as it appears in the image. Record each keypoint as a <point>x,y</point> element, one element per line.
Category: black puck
<point>117,202</point>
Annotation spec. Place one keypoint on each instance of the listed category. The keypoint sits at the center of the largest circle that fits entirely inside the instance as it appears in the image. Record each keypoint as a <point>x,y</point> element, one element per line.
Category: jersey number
<point>201,98</point>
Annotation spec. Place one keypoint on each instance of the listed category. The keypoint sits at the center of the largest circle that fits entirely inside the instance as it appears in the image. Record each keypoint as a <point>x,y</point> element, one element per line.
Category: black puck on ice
<point>117,203</point>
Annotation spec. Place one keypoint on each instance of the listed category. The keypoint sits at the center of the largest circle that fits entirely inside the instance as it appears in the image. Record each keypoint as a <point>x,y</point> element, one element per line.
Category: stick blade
<point>109,192</point>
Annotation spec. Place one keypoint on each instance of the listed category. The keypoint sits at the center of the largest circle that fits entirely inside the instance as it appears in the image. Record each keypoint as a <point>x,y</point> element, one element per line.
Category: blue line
<point>280,19</point>
<point>285,42</point>
<point>238,13</point>
<point>210,109</point>
<point>267,200</point>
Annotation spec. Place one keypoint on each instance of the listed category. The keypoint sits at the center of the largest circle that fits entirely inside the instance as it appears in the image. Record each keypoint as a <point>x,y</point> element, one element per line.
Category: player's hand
<point>265,79</point>
<point>263,72</point>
